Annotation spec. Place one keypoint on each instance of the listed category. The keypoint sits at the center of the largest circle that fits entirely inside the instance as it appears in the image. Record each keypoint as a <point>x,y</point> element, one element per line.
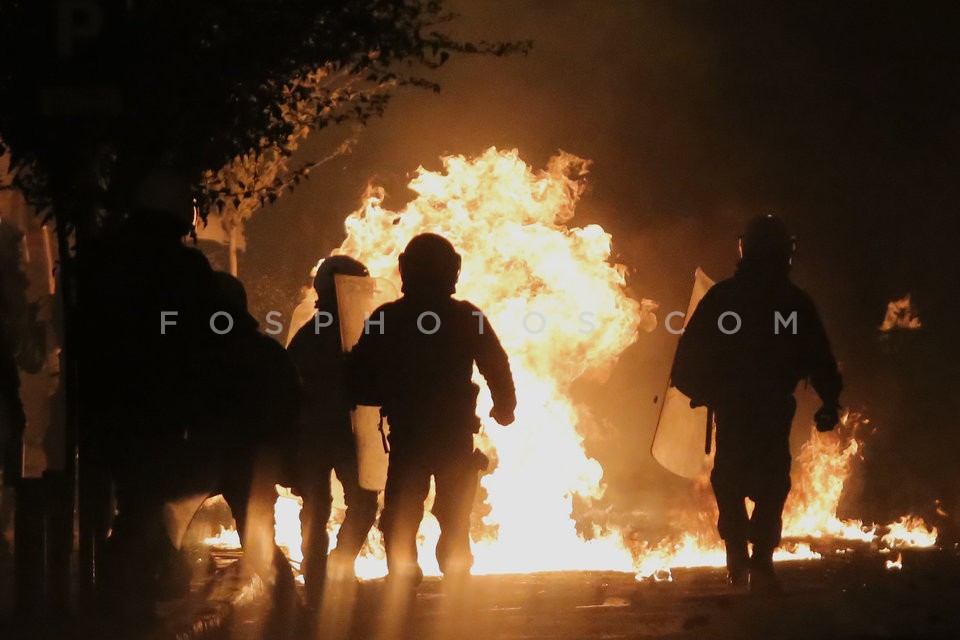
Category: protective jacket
<point>12,419</point>
<point>416,359</point>
<point>780,341</point>
<point>319,358</point>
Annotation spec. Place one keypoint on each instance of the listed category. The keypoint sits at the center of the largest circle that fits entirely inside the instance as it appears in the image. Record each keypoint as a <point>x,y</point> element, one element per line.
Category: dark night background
<point>840,116</point>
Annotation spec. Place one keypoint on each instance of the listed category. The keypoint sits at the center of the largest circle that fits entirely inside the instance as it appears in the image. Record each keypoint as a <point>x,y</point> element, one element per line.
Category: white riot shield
<point>357,298</point>
<point>179,513</point>
<point>678,444</point>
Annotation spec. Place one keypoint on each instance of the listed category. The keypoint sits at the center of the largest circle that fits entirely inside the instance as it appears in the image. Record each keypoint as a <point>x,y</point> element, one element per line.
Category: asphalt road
<point>851,595</point>
<point>844,596</point>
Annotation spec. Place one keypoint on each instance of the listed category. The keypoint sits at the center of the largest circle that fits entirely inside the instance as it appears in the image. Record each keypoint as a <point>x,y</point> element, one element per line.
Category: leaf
<point>253,96</point>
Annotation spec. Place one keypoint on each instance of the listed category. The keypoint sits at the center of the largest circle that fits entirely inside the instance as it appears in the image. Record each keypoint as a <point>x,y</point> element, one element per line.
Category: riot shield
<point>178,513</point>
<point>678,444</point>
<point>357,298</point>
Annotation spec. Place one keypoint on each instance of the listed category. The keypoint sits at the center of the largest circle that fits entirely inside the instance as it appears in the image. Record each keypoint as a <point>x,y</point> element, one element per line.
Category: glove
<point>503,418</point>
<point>827,417</point>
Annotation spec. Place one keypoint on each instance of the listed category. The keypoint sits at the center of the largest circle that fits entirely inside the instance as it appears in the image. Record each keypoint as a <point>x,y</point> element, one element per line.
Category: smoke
<point>697,115</point>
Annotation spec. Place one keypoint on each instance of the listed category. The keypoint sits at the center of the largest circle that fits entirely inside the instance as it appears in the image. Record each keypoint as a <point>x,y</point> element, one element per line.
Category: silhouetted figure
<point>255,432</point>
<point>327,440</point>
<point>12,423</point>
<point>416,360</point>
<point>14,317</point>
<point>747,377</point>
<point>147,300</point>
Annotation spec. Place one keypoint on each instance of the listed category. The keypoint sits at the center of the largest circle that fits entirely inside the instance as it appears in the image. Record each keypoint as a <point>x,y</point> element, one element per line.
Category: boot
<point>340,567</point>
<point>738,564</point>
<point>409,576</point>
<point>763,578</point>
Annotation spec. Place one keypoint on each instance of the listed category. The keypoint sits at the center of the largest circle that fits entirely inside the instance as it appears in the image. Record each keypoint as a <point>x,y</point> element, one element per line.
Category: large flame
<point>562,311</point>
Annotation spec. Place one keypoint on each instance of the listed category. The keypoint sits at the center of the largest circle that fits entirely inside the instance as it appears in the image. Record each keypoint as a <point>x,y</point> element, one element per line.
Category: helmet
<point>323,282</point>
<point>767,239</point>
<point>232,298</point>
<point>430,262</point>
<point>168,194</point>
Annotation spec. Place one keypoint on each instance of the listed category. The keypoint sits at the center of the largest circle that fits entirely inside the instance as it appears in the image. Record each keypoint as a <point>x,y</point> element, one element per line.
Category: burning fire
<point>562,312</point>
<point>910,531</point>
<point>900,315</point>
<point>824,463</point>
<point>226,538</point>
<point>895,565</point>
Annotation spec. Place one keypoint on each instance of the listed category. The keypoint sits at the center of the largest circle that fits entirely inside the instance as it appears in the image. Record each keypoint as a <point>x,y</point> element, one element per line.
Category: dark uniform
<point>327,441</point>
<point>143,384</point>
<point>17,350</point>
<point>748,378</point>
<point>423,382</point>
<point>12,423</point>
<point>254,435</point>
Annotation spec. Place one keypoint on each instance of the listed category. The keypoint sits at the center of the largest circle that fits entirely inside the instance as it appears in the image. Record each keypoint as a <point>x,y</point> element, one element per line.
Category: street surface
<point>852,595</point>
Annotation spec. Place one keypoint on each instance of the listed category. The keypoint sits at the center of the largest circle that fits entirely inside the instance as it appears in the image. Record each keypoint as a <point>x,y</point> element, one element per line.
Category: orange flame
<point>823,466</point>
<point>895,565</point>
<point>562,311</point>
<point>910,531</point>
<point>900,315</point>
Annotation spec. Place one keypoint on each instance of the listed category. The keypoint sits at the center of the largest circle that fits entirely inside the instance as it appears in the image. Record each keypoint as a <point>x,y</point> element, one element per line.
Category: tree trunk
<point>234,232</point>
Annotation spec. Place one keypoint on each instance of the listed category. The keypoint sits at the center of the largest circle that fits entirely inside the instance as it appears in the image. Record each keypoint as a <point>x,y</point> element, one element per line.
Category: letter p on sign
<point>77,20</point>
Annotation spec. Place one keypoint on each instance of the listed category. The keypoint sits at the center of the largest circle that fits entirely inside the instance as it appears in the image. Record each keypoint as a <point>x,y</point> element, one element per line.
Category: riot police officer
<point>752,338</point>
<point>415,359</point>
<point>327,441</point>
